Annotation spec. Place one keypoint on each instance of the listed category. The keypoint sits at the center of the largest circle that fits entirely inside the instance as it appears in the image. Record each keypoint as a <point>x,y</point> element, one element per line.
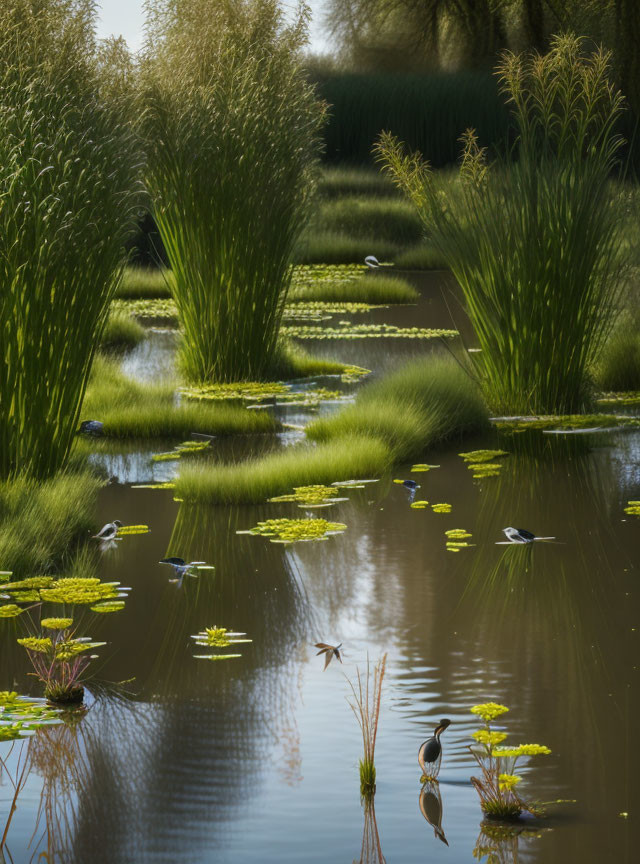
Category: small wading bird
<point>521,535</point>
<point>108,531</point>
<point>329,651</point>
<point>372,262</point>
<point>430,752</point>
<point>181,568</point>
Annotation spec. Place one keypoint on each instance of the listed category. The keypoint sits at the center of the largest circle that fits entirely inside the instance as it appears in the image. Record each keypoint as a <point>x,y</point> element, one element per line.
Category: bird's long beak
<point>440,729</point>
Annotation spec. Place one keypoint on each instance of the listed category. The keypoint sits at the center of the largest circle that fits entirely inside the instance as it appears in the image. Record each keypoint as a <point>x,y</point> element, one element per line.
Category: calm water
<point>256,759</point>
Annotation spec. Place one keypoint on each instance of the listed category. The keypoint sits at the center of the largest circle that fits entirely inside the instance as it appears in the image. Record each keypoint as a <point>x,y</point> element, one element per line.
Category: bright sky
<point>125,18</point>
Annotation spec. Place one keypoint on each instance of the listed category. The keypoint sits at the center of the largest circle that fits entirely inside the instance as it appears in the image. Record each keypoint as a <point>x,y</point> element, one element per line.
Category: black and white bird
<point>521,535</point>
<point>372,262</point>
<point>430,752</point>
<point>108,531</point>
<point>181,568</point>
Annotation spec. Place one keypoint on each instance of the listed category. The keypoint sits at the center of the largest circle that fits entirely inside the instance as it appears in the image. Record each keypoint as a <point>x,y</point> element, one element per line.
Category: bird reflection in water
<point>430,802</point>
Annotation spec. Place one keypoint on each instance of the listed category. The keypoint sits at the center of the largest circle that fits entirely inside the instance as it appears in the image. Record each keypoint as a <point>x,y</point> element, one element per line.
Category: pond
<point>256,759</point>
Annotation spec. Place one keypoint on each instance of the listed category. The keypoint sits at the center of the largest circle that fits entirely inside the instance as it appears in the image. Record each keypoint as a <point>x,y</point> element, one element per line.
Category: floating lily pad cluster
<point>481,462</point>
<point>319,310</point>
<point>296,530</point>
<point>21,716</point>
<point>257,392</point>
<point>565,422</point>
<point>632,508</point>
<point>631,397</point>
<point>218,637</point>
<point>457,539</point>
<point>421,504</point>
<point>185,448</point>
<point>347,330</point>
<point>311,496</point>
<point>101,596</point>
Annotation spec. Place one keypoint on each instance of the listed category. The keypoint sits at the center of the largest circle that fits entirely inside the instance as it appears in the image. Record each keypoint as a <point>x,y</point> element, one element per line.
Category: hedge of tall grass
<point>232,131</point>
<point>68,194</point>
<point>428,112</point>
<point>534,241</point>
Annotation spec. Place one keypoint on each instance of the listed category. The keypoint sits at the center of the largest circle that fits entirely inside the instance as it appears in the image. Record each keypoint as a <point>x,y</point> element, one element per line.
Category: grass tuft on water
<point>367,698</point>
<point>302,465</point>
<point>421,404</point>
<point>40,521</point>
<point>121,333</point>
<point>129,409</point>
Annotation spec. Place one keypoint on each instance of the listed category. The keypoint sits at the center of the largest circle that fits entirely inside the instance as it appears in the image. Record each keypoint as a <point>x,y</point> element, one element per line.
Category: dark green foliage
<point>428,112</point>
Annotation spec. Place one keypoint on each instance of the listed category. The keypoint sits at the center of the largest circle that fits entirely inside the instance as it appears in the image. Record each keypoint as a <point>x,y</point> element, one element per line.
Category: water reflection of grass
<point>550,605</point>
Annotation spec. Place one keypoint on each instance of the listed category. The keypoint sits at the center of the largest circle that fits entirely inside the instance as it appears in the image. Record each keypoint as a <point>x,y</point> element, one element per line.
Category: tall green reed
<point>367,697</point>
<point>68,193</point>
<point>232,128</point>
<point>534,241</point>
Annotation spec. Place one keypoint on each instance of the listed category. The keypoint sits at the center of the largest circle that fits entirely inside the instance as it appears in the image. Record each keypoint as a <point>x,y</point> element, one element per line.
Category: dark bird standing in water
<point>329,651</point>
<point>430,752</point>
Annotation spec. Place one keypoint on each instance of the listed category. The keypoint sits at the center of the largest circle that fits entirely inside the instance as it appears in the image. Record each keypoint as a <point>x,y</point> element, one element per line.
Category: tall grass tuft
<point>254,481</point>
<point>535,241</point>
<point>367,698</point>
<point>232,132</point>
<point>418,405</point>
<point>69,189</point>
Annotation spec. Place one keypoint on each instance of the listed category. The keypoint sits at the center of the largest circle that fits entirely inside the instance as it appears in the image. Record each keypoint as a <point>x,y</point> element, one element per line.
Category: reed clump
<point>618,367</point>
<point>534,241</point>
<point>69,191</point>
<point>367,698</point>
<point>421,404</point>
<point>231,126</point>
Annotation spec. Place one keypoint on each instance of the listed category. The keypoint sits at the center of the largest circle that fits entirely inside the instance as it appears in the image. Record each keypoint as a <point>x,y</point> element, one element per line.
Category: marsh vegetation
<point>176,226</point>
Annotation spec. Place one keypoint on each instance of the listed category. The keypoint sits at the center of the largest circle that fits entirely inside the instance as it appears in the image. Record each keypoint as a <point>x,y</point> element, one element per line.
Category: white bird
<point>521,535</point>
<point>372,262</point>
<point>108,531</point>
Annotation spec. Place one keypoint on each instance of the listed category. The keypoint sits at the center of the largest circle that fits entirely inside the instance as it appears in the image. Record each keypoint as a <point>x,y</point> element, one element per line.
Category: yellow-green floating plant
<point>419,505</point>
<point>186,448</point>
<point>218,637</point>
<point>422,467</point>
<point>10,610</point>
<point>441,508</point>
<point>126,530</point>
<point>296,530</point>
<point>632,508</point>
<point>56,623</point>
<point>311,496</point>
<point>457,539</point>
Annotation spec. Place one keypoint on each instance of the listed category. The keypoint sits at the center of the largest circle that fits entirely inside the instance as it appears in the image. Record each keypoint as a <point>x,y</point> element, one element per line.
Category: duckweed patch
<point>422,468</point>
<point>108,606</point>
<point>10,610</point>
<point>419,505</point>
<point>632,508</point>
<point>81,591</point>
<point>457,539</point>
<point>347,330</point>
<point>441,508</point>
<point>219,637</point>
<point>481,456</point>
<point>296,530</point>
